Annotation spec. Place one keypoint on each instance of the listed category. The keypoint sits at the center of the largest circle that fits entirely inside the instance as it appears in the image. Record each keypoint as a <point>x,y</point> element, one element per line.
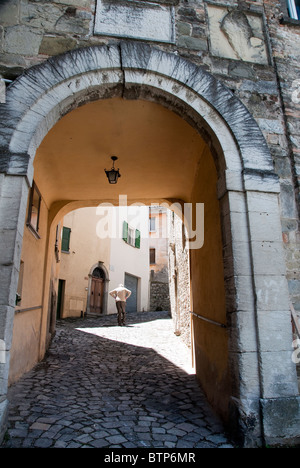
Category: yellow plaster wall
<point>25,350</point>
<point>25,346</point>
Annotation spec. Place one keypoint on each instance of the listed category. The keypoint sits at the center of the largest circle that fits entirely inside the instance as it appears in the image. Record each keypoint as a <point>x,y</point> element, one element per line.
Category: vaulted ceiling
<point>158,153</point>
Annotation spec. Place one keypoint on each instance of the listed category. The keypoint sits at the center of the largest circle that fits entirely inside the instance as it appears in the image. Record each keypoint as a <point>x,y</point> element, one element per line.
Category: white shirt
<point>120,294</point>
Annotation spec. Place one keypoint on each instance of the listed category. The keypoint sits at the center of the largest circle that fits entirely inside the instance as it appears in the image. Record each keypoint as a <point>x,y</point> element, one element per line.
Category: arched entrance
<point>97,290</point>
<point>96,296</point>
<point>234,353</point>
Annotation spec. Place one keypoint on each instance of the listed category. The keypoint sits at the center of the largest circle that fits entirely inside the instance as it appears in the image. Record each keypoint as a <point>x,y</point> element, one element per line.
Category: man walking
<point>121,294</point>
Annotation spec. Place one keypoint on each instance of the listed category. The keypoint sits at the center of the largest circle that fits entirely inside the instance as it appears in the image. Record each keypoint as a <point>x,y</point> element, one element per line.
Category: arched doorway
<point>96,296</point>
<point>97,290</point>
<point>237,185</point>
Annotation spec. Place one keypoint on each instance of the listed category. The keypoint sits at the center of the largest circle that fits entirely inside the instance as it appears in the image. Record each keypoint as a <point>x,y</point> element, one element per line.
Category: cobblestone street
<point>101,385</point>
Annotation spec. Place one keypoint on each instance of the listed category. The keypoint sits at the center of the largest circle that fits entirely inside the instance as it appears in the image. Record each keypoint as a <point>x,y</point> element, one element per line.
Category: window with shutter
<point>137,239</point>
<point>33,216</point>
<point>65,241</point>
<point>131,236</point>
<point>125,231</point>
<point>294,9</point>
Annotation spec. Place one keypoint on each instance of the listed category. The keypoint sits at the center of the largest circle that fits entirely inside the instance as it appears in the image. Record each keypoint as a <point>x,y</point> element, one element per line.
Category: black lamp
<point>113,174</point>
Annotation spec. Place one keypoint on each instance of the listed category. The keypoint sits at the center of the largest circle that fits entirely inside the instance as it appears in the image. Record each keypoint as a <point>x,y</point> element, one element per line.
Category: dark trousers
<point>121,308</point>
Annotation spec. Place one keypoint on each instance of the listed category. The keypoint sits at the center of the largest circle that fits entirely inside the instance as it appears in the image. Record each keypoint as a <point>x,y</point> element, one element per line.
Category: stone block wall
<point>250,46</point>
<point>159,295</point>
<point>285,43</point>
<point>179,279</point>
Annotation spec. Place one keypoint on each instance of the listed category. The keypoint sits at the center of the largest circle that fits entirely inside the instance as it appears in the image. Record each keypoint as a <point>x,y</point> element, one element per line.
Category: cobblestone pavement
<point>101,385</point>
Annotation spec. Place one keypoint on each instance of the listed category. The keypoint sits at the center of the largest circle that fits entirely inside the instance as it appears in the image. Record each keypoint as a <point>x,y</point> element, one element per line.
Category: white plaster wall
<point>97,236</point>
<point>127,259</point>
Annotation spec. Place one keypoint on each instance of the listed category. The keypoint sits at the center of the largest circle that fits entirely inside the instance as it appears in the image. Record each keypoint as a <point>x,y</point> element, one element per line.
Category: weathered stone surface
<point>9,13</point>
<point>243,336</point>
<point>271,292</point>
<point>281,416</point>
<point>79,22</point>
<point>244,422</point>
<point>40,16</point>
<point>288,205</point>
<point>20,40</point>
<point>278,335</point>
<point>237,35</point>
<point>3,417</point>
<point>192,43</point>
<point>183,29</point>
<point>148,21</point>
<point>56,45</point>
<point>279,374</point>
<point>261,86</point>
<point>159,296</point>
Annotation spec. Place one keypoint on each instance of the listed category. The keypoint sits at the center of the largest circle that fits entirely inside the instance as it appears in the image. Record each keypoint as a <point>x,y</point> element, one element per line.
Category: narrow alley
<point>101,385</point>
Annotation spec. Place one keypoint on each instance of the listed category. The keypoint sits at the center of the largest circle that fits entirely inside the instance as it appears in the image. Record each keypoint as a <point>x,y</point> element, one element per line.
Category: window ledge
<point>33,231</point>
<point>286,20</point>
<point>131,245</point>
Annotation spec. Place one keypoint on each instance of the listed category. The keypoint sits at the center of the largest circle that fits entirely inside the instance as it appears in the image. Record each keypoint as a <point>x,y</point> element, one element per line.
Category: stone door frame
<point>105,287</point>
<point>264,383</point>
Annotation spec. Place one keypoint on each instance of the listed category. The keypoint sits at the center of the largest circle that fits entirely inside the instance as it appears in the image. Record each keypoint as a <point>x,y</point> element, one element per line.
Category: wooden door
<point>96,299</point>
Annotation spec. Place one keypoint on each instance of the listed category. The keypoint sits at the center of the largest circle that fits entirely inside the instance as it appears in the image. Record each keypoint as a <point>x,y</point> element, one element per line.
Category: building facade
<point>92,264</point>
<point>200,101</point>
<point>159,258</point>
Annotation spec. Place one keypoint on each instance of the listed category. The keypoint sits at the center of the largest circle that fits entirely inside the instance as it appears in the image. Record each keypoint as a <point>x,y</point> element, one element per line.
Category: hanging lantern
<point>113,174</point>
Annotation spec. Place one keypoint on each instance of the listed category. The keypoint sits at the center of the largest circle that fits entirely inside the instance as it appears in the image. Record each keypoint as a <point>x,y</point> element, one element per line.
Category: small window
<point>34,208</point>
<point>152,256</point>
<point>152,224</point>
<point>65,240</point>
<point>131,236</point>
<point>294,9</point>
<point>137,243</point>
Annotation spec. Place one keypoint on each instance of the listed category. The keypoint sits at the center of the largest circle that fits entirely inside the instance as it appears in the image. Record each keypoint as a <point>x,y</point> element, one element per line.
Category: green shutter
<point>65,242</point>
<point>125,231</point>
<point>137,239</point>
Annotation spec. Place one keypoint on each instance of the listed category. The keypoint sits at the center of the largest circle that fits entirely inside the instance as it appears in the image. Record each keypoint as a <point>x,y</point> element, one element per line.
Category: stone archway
<point>256,291</point>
